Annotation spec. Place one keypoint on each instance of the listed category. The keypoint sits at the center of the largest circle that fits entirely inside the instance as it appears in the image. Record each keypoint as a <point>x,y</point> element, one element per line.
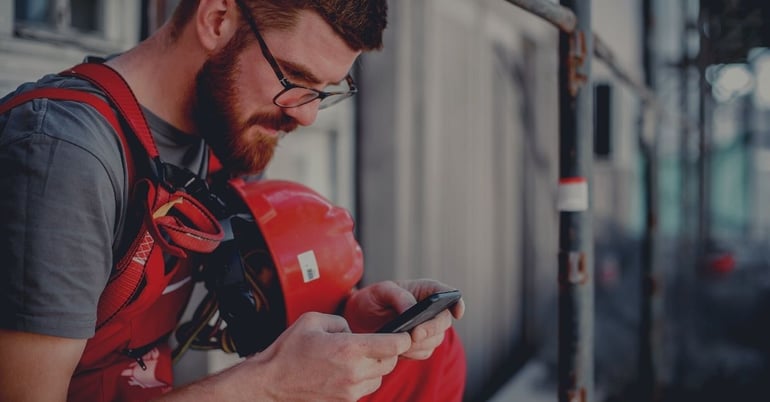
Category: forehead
<point>314,44</point>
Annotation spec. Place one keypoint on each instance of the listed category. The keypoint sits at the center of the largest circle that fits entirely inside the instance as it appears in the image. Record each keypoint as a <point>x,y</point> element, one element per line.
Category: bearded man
<point>228,76</point>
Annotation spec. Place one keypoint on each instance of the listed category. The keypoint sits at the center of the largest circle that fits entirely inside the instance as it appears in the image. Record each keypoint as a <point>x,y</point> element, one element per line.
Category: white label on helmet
<point>309,266</point>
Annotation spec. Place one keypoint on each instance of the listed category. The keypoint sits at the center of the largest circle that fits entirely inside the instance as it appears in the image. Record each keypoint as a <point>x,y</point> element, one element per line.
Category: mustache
<point>279,122</point>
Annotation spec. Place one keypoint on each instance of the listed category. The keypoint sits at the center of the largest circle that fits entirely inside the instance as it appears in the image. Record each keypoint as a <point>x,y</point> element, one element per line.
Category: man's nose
<point>304,115</point>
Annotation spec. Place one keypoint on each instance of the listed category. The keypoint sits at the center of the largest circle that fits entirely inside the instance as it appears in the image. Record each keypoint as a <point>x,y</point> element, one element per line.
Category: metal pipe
<point>650,301</point>
<point>647,95</point>
<point>560,17</point>
<point>565,20</point>
<point>605,54</point>
<point>683,277</point>
<point>704,140</point>
<point>576,242</point>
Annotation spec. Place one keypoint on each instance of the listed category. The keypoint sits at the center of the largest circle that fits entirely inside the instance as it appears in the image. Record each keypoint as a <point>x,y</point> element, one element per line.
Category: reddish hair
<point>359,22</point>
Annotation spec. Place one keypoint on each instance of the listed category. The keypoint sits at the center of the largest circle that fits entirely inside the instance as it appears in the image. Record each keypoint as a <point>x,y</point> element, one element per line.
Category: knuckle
<point>383,285</point>
<point>308,318</point>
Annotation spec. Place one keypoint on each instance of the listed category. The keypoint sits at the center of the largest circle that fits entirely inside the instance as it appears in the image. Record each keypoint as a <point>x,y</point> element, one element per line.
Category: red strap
<point>63,94</point>
<point>198,232</point>
<point>78,96</point>
<point>117,89</point>
<point>124,283</point>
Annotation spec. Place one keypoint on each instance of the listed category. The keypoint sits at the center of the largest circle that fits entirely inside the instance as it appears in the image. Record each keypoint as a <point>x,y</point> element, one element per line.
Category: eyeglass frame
<point>288,85</point>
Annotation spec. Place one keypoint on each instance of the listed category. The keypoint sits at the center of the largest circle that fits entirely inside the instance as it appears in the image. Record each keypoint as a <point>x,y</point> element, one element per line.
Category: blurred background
<point>449,159</point>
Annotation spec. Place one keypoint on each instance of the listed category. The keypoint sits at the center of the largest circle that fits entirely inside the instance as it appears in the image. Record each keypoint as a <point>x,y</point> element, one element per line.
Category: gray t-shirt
<point>63,195</point>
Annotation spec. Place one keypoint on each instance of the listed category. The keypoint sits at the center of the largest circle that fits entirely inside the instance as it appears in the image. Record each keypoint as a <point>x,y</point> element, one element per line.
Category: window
<point>59,16</point>
<point>96,26</point>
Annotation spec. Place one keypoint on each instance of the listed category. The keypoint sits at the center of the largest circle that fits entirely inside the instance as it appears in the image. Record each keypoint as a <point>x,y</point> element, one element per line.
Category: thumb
<point>401,299</point>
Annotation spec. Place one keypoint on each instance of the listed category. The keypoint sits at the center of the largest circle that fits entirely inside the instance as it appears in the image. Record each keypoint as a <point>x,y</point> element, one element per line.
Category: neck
<point>162,83</point>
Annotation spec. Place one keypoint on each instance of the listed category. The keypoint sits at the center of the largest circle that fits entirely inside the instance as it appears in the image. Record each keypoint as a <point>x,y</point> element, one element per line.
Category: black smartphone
<point>423,311</point>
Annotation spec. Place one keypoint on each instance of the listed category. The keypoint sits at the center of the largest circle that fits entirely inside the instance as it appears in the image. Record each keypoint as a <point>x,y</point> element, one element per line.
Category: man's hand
<point>315,359</point>
<point>371,307</point>
<point>318,358</point>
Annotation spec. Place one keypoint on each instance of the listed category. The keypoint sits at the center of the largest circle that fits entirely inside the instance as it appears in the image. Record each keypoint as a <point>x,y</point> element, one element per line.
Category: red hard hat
<point>315,254</point>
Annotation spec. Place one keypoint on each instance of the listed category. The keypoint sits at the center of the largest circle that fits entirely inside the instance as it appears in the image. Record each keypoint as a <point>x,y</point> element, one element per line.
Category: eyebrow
<point>300,72</point>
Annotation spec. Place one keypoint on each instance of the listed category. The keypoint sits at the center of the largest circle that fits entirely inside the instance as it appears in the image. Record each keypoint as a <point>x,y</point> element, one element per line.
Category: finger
<point>375,368</point>
<point>458,310</point>
<point>435,326</point>
<point>380,346</point>
<point>400,298</point>
<point>419,354</point>
<point>424,349</point>
<point>366,387</point>
<point>423,288</point>
<point>327,322</point>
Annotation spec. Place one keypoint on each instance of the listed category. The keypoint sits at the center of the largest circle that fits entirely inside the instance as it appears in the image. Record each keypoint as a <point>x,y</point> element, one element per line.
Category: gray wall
<point>458,167</point>
<point>458,164</point>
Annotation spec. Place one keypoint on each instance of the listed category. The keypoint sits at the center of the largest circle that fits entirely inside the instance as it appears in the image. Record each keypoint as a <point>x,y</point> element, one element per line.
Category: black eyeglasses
<point>294,95</point>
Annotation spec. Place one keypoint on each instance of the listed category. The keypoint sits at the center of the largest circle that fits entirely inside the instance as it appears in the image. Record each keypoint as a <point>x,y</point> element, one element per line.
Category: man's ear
<point>216,21</point>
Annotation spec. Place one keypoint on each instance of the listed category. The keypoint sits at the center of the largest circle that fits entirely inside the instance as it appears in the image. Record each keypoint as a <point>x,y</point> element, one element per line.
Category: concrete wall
<point>447,133</point>
<point>459,162</point>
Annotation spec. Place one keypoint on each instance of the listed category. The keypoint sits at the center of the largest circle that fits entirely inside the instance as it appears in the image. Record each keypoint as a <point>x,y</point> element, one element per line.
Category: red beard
<point>240,146</point>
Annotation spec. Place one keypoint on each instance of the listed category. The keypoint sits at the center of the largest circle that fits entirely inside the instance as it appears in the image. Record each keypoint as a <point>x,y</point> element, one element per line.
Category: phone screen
<point>423,311</point>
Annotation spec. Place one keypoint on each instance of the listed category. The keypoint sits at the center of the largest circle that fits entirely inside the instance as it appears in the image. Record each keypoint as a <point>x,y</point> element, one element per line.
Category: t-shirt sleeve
<point>58,213</point>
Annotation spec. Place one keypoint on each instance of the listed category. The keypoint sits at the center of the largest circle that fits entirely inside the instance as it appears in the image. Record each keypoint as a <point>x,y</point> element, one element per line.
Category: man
<point>209,77</point>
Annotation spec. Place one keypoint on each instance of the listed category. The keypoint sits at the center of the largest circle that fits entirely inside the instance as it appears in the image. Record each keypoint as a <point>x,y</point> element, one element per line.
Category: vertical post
<point>704,141</point>
<point>682,275</point>
<point>650,292</point>
<point>651,304</point>
<point>747,112</point>
<point>576,240</point>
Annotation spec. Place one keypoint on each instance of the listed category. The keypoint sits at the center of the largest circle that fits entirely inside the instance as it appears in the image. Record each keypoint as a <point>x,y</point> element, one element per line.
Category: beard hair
<point>240,146</point>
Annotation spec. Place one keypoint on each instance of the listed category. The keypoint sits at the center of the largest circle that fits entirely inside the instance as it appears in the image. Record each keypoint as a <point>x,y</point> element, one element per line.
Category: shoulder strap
<point>117,90</point>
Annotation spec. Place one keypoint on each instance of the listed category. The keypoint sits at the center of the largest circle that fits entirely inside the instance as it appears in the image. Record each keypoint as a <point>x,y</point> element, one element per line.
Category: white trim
<point>176,285</point>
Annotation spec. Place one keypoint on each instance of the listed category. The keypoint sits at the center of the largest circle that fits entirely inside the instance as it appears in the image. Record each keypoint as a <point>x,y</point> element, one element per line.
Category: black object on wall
<point>603,120</point>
